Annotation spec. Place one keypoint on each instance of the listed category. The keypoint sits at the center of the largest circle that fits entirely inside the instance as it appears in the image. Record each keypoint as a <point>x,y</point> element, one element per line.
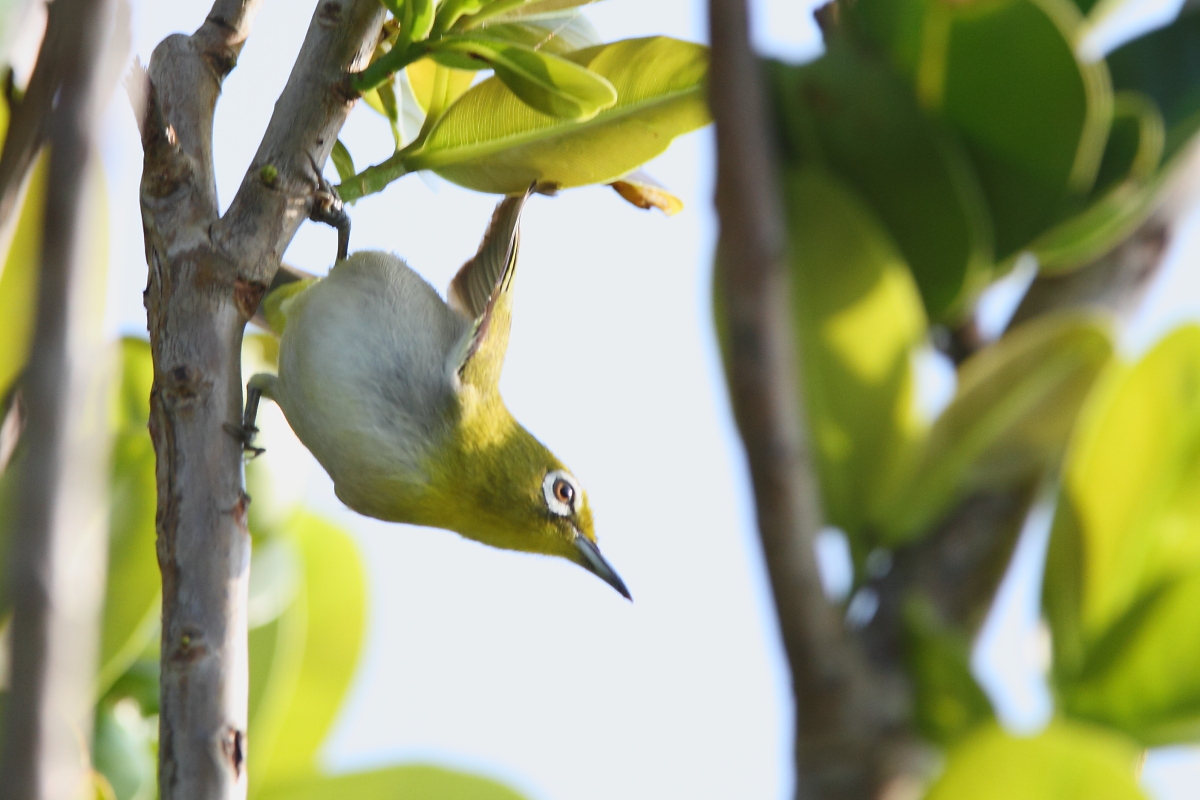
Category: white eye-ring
<point>561,492</point>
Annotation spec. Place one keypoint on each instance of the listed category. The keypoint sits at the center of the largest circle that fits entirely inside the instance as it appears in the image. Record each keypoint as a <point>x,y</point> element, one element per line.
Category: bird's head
<point>504,488</point>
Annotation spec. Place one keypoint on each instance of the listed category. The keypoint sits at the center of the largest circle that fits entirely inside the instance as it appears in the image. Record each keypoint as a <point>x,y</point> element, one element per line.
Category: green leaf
<point>1035,125</point>
<point>948,703</point>
<point>523,10</point>
<point>850,112</point>
<point>131,602</point>
<point>858,320</point>
<point>1064,762</point>
<point>1141,678</point>
<point>1011,418</point>
<point>558,34</point>
<point>434,86</point>
<point>419,16</point>
<point>343,162</point>
<point>451,11</point>
<point>415,782</point>
<point>1126,187</point>
<point>1129,491</point>
<point>1124,553</point>
<point>1162,66</point>
<point>492,142</point>
<point>312,654</point>
<point>545,82</point>
<point>18,281</point>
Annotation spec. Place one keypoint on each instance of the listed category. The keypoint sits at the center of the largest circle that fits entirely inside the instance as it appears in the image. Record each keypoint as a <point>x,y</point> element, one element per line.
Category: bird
<point>395,391</point>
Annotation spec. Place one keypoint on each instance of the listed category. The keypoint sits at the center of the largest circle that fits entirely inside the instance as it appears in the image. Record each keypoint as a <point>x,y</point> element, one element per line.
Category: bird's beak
<point>595,563</point>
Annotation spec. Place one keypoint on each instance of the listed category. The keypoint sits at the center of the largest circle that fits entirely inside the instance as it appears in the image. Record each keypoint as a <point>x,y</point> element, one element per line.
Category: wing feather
<point>480,292</point>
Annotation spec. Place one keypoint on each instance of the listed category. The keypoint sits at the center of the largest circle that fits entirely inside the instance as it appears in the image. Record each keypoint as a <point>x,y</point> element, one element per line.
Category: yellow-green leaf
<point>1132,477</point>
<point>1123,568</point>
<point>312,655</point>
<point>490,141</point>
<point>18,281</point>
<point>343,162</point>
<point>131,600</point>
<point>512,10</point>
<point>1064,762</point>
<point>410,782</point>
<point>543,81</point>
<point>858,318</point>
<point>435,86</point>
<point>557,34</point>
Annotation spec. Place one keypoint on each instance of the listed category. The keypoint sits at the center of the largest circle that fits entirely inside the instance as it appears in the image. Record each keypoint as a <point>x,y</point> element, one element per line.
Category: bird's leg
<point>327,207</point>
<point>246,432</point>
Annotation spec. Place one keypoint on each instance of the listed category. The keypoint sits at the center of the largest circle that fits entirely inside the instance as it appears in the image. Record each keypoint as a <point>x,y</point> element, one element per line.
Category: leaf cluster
<point>560,108</point>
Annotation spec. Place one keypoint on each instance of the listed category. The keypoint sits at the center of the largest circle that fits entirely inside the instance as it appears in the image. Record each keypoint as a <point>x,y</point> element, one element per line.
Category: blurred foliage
<point>1010,419</point>
<point>1123,574</point>
<point>929,146</point>
<point>18,281</point>
<point>1066,761</point>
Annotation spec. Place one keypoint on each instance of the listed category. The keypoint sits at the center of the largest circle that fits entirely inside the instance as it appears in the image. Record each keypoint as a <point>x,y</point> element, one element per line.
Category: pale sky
<point>529,669</point>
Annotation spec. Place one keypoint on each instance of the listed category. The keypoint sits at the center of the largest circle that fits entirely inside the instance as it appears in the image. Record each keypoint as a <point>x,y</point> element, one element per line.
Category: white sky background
<point>530,669</point>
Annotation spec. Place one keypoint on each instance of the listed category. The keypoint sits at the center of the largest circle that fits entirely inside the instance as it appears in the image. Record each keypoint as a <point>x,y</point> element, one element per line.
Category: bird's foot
<point>327,208</point>
<point>245,436</point>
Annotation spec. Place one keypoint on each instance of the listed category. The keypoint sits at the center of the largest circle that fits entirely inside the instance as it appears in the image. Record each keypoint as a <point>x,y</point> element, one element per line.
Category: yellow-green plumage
<point>396,393</point>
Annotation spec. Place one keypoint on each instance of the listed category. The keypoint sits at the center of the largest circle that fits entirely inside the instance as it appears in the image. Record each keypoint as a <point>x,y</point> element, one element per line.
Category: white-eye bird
<point>396,393</point>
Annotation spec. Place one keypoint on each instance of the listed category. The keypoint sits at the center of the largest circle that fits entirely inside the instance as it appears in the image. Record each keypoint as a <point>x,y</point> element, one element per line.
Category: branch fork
<point>207,274</point>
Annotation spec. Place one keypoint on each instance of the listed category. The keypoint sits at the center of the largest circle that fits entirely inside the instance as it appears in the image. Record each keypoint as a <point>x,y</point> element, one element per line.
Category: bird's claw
<point>327,208</point>
<point>245,436</point>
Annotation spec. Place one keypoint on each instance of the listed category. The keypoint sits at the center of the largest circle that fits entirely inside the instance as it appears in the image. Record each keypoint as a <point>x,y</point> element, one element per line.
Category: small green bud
<point>269,174</point>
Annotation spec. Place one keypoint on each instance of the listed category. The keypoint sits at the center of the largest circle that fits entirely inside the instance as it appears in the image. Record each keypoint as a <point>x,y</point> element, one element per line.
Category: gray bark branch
<point>59,548</point>
<point>846,715</point>
<point>207,274</point>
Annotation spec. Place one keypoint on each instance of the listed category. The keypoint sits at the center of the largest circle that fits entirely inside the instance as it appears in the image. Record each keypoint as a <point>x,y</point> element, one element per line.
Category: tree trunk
<point>853,740</point>
<point>59,548</point>
<point>207,275</point>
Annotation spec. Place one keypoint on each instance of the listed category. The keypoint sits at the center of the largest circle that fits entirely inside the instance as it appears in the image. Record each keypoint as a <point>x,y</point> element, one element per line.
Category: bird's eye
<point>560,491</point>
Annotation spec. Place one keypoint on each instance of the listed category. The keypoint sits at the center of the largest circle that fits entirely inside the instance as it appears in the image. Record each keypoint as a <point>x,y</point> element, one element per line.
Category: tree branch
<point>1116,282</point>
<point>59,549</point>
<point>279,188</point>
<point>207,275</point>
<point>845,714</point>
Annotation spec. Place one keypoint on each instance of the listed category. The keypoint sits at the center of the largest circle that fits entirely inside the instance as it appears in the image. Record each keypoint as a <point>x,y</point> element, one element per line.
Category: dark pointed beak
<point>595,563</point>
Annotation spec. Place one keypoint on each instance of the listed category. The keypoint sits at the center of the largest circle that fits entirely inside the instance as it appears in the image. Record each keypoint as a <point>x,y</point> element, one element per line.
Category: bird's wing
<point>481,292</point>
